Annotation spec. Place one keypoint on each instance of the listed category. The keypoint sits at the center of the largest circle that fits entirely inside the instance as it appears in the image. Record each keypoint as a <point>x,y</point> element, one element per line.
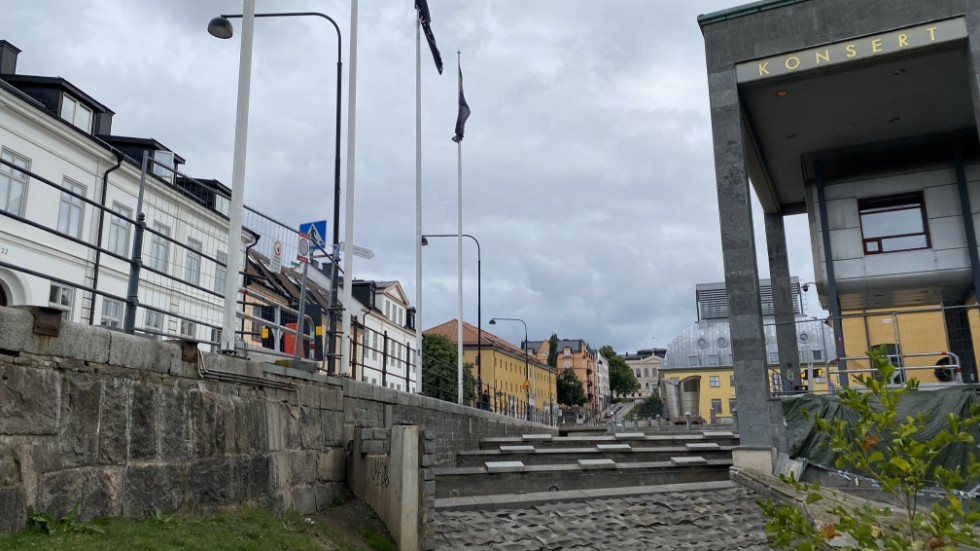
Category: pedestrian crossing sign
<point>317,232</point>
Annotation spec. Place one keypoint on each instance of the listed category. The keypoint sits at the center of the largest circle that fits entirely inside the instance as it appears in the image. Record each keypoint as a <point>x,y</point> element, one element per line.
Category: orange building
<point>577,355</point>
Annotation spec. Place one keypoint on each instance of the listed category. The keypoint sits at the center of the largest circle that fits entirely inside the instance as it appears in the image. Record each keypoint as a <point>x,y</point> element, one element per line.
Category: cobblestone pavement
<point>717,520</point>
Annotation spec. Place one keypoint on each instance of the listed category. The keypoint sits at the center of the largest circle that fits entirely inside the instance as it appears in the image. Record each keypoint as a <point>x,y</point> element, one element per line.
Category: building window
<point>192,262</point>
<point>777,381</point>
<point>716,405</point>
<point>714,381</point>
<point>774,357</point>
<point>153,322</point>
<point>692,361</point>
<point>222,204</point>
<point>817,355</point>
<point>112,312</point>
<point>387,309</point>
<point>72,209</point>
<point>731,405</point>
<point>188,329</point>
<point>731,380</point>
<point>119,229</point>
<point>164,165</point>
<point>13,183</point>
<point>76,113</point>
<point>712,359</point>
<point>61,297</point>
<point>568,363</point>
<point>219,271</point>
<point>896,223</point>
<point>160,248</point>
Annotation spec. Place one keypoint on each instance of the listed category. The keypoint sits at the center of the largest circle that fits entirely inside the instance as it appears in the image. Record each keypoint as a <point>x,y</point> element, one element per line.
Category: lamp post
<point>527,369</point>
<point>220,27</point>
<point>479,309</point>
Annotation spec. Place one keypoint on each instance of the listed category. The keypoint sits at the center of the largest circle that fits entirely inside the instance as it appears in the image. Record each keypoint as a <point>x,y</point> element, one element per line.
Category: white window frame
<point>119,229</point>
<point>160,248</point>
<point>192,261</point>
<point>155,321</point>
<point>222,204</point>
<point>712,359</point>
<point>73,116</point>
<point>188,329</point>
<point>692,361</point>
<point>220,272</point>
<point>112,313</point>
<point>714,381</point>
<point>11,179</point>
<point>774,358</point>
<point>167,159</point>
<point>71,210</point>
<point>62,298</point>
<point>817,355</point>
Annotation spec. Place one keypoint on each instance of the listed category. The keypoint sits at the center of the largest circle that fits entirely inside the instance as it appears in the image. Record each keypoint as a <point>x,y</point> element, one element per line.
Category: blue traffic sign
<point>317,232</point>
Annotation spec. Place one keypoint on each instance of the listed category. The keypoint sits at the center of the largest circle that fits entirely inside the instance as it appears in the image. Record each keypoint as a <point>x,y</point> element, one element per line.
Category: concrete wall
<point>121,425</point>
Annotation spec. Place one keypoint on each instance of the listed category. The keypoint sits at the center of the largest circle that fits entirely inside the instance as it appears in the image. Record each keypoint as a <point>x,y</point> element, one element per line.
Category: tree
<point>901,458</point>
<point>621,378</point>
<point>570,390</point>
<point>439,372</point>
<point>553,351</point>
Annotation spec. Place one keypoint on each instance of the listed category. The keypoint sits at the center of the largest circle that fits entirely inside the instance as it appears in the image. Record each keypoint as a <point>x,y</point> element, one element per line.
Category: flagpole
<point>459,260</point>
<point>418,203</point>
<point>345,365</point>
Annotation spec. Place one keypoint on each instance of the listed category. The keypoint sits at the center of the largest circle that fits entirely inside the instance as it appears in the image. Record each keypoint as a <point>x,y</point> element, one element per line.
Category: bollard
<point>610,427</point>
<point>660,423</point>
<point>687,419</point>
<point>636,423</point>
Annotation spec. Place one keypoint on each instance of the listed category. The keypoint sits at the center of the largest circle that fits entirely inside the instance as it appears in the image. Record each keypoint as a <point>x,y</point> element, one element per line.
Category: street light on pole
<point>479,310</point>
<point>220,27</point>
<point>527,369</point>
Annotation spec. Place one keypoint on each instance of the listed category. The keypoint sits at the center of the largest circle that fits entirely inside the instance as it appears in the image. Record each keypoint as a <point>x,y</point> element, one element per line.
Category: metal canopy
<point>897,97</point>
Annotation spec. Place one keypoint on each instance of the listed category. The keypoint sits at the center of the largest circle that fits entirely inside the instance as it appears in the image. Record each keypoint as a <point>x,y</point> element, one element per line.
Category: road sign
<point>359,251</point>
<point>526,385</point>
<point>303,247</point>
<point>316,231</point>
<point>276,264</point>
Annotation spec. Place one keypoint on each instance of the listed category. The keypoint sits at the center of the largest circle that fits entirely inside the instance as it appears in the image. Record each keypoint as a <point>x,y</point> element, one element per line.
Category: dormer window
<point>76,113</point>
<point>164,160</point>
<point>222,204</point>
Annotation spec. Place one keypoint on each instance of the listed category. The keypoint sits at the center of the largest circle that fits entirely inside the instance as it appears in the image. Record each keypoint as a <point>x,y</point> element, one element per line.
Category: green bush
<point>892,452</point>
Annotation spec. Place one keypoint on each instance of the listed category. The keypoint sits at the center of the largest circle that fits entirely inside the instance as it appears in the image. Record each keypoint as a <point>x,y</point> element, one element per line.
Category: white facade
<point>387,312</point>
<point>59,151</point>
<point>602,374</point>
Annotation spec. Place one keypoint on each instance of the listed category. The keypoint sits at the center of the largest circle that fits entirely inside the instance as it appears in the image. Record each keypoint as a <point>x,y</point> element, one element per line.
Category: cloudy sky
<point>587,164</point>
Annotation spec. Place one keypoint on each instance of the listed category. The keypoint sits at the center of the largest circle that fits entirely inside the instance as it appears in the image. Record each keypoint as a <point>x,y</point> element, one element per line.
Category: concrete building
<point>864,117</point>
<point>69,193</point>
<point>503,369</point>
<point>646,366</point>
<point>581,358</point>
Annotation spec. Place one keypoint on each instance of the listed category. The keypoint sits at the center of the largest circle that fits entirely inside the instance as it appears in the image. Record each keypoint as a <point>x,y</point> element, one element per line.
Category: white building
<point>60,163</point>
<point>386,346</point>
<point>602,381</point>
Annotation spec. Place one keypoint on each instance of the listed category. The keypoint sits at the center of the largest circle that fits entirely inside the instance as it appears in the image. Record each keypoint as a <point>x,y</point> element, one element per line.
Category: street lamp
<point>527,370</point>
<point>479,308</point>
<point>221,27</point>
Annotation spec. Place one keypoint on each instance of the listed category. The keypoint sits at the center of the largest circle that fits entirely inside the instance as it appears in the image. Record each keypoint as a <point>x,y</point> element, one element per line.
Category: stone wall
<point>122,425</point>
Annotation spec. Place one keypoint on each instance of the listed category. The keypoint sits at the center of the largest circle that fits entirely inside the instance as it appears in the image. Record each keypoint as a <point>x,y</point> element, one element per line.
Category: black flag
<point>464,111</point>
<point>422,7</point>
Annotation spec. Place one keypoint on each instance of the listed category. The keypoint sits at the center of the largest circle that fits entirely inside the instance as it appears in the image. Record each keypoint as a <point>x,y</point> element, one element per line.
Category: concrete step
<point>620,453</point>
<point>524,500</point>
<point>480,481</point>
<point>722,438</point>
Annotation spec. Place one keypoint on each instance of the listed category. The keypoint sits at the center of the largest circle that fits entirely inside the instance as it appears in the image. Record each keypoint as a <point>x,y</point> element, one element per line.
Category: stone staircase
<point>503,469</point>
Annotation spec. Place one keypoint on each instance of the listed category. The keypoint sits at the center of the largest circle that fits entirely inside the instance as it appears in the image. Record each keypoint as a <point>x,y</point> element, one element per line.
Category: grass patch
<point>379,541</point>
<point>246,530</point>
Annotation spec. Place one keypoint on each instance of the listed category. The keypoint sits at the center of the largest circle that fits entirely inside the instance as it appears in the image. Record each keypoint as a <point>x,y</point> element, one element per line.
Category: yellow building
<point>503,369</point>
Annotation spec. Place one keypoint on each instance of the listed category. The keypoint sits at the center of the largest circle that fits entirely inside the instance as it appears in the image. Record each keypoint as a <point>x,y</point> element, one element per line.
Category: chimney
<point>103,124</point>
<point>8,58</point>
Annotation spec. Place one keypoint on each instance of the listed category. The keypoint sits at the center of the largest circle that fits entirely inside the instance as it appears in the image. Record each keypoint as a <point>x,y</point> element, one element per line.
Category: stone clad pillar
<point>741,272</point>
<point>782,302</point>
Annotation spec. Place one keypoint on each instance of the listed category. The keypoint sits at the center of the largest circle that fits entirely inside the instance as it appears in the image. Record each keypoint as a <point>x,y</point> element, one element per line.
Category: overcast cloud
<point>587,162</point>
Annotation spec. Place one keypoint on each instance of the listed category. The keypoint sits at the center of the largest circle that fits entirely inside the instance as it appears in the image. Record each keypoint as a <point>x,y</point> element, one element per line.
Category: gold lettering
<point>876,45</point>
<point>903,40</point>
<point>851,51</point>
<point>792,62</point>
<point>932,33</point>
<point>824,56</point>
<point>763,68</point>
